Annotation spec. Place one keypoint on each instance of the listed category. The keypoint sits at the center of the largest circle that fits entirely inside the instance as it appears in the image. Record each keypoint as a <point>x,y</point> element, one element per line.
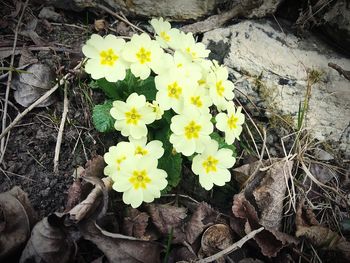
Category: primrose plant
<point>164,96</point>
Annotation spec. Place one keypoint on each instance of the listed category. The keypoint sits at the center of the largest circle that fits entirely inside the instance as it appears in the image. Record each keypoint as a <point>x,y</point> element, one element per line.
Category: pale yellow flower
<point>115,156</point>
<point>104,58</point>
<point>140,180</point>
<point>170,88</point>
<point>132,116</point>
<point>212,165</point>
<point>197,99</point>
<point>190,132</point>
<point>166,36</point>
<point>230,123</point>
<point>187,44</point>
<point>220,88</point>
<point>153,149</point>
<point>144,54</point>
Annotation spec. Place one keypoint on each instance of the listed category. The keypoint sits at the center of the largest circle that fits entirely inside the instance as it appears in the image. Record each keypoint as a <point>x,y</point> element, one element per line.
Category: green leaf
<point>112,90</point>
<point>222,144</point>
<point>102,119</point>
<point>170,162</point>
<point>147,88</point>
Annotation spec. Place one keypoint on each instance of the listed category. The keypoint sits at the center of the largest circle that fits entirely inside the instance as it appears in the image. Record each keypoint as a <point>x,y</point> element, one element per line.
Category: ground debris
<point>17,216</point>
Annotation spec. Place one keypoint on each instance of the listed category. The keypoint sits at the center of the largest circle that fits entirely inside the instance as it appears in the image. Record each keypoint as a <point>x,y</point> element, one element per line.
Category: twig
<point>38,101</point>
<point>4,116</point>
<point>117,16</point>
<point>341,71</point>
<point>231,248</point>
<point>60,131</point>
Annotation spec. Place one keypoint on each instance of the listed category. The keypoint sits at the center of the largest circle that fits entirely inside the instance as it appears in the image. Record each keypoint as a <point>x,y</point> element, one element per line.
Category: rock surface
<point>258,52</point>
<point>179,10</point>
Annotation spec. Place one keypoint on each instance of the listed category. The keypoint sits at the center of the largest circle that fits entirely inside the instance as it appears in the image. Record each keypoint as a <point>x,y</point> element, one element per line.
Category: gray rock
<point>274,66</point>
<point>337,24</point>
<point>179,10</point>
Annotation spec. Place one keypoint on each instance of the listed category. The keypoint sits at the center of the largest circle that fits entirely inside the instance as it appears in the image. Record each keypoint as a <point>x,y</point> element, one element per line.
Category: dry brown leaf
<point>49,242</point>
<point>33,84</point>
<point>203,217</point>
<point>322,237</point>
<point>270,241</point>
<point>95,166</point>
<point>74,195</point>
<point>120,248</point>
<point>135,224</point>
<point>168,219</point>
<point>100,25</point>
<point>16,219</point>
<point>267,189</point>
<point>214,239</point>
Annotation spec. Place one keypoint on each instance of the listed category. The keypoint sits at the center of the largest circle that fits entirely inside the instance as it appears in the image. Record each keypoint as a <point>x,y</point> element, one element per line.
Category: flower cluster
<point>187,84</point>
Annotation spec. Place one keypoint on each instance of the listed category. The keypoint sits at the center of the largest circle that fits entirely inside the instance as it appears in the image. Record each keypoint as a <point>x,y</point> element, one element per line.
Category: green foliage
<point>102,119</point>
<point>121,90</point>
<point>171,162</point>
<point>222,144</point>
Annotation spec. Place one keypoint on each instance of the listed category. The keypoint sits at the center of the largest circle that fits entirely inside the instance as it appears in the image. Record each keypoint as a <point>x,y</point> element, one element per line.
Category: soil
<point>28,161</point>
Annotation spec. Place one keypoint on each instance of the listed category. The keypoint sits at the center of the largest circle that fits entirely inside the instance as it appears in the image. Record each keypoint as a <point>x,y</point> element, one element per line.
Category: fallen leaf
<point>214,239</point>
<point>320,236</point>
<point>32,84</point>
<point>120,248</point>
<point>267,189</point>
<point>74,194</point>
<point>168,218</point>
<point>50,14</point>
<point>17,216</point>
<point>135,223</point>
<point>203,217</point>
<point>101,24</point>
<point>270,241</point>
<point>322,172</point>
<point>95,166</point>
<point>49,242</point>
<point>26,57</point>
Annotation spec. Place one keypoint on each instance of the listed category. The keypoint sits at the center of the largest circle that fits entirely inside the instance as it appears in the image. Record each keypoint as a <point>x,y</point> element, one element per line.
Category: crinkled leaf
<point>168,219</point>
<point>222,144</point>
<point>102,119</point>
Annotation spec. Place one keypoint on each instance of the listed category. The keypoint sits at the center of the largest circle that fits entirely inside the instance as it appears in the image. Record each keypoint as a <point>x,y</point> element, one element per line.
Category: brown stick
<point>60,131</point>
<point>341,71</point>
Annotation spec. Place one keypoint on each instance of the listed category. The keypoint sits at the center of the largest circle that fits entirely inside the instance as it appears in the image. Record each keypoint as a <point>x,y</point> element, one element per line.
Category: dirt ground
<point>28,160</point>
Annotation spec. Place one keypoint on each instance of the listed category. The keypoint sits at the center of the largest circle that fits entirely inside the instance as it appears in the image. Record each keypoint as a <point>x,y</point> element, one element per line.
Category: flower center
<point>140,150</point>
<point>220,88</point>
<point>165,36</point>
<point>132,116</point>
<point>210,164</point>
<point>196,101</point>
<point>139,179</point>
<point>174,90</point>
<point>190,52</point>
<point>192,130</point>
<point>119,161</point>
<point>143,55</point>
<point>201,82</point>
<point>108,57</point>
<point>232,122</point>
